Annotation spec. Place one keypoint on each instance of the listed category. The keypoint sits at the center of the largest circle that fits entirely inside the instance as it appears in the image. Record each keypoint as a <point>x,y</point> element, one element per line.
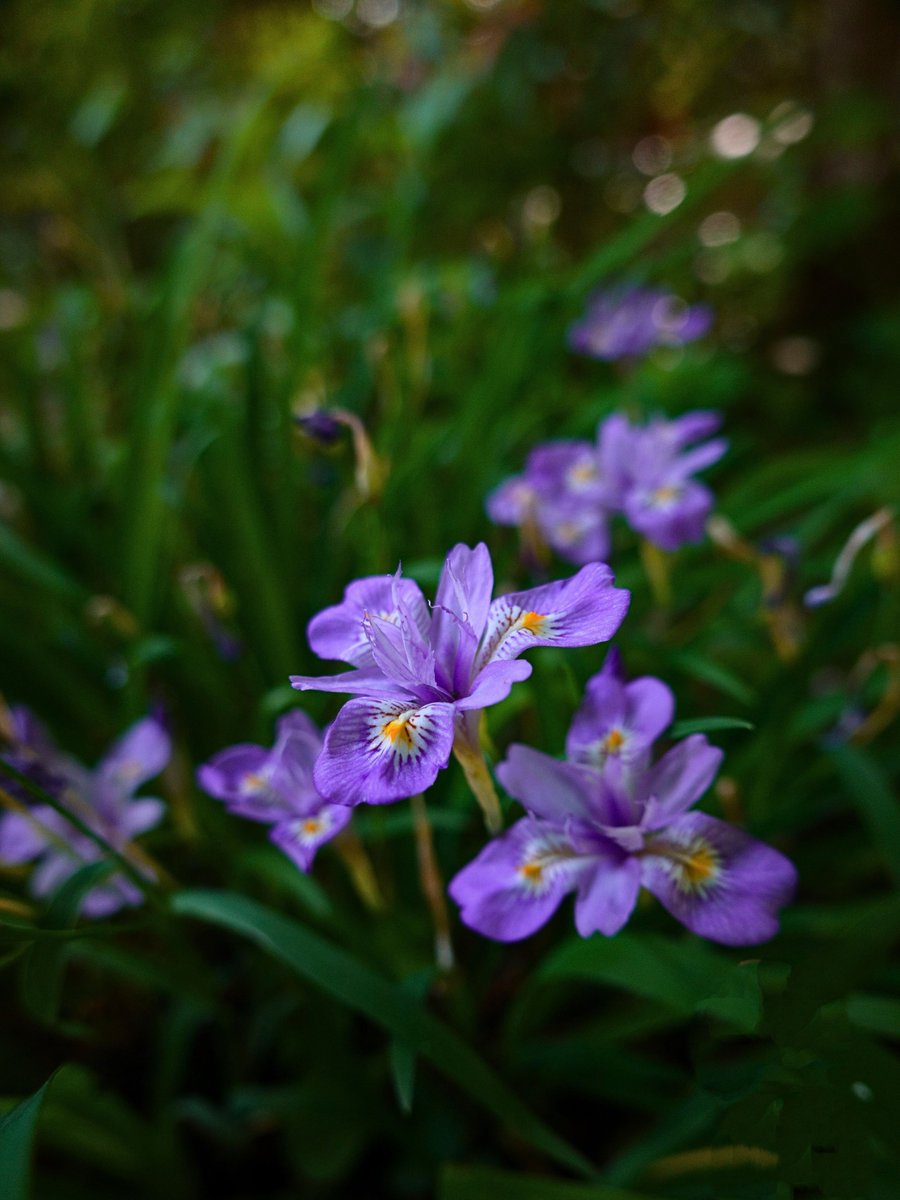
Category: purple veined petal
<point>517,882</point>
<point>719,881</point>
<point>493,683</point>
<point>140,754</point>
<point>289,772</point>
<point>615,449</point>
<point>460,612</point>
<point>400,652</point>
<point>141,815</point>
<point>680,778</point>
<point>365,681</point>
<point>300,837</point>
<point>618,719</point>
<point>607,895</point>
<point>511,502</point>
<point>382,750</point>
<point>580,611</point>
<point>337,632</point>
<point>296,723</point>
<point>548,788</point>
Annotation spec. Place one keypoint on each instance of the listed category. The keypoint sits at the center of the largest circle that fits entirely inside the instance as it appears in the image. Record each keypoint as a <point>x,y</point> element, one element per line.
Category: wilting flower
<point>103,799</point>
<point>276,786</point>
<point>570,490</point>
<point>604,832</point>
<point>630,322</point>
<point>422,677</point>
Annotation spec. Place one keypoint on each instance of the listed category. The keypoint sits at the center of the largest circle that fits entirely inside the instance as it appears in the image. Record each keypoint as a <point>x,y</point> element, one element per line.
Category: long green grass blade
<point>354,984</point>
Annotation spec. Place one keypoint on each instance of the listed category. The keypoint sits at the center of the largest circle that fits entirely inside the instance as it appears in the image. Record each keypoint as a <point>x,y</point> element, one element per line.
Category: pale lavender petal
<point>231,773</point>
<point>337,632</point>
<point>577,530</point>
<point>602,712</point>
<point>21,839</point>
<point>139,755</point>
<point>493,683</point>
<point>693,426</point>
<point>695,460</point>
<point>616,438</point>
<point>650,707</point>
<point>110,897</point>
<point>367,681</point>
<point>141,815</point>
<point>56,867</point>
<point>300,837</point>
<point>607,895</point>
<point>460,613</point>
<point>680,778</point>
<point>511,502</point>
<point>518,880</point>
<point>548,788</point>
<point>720,882</point>
<point>670,515</point>
<point>580,611</point>
<point>400,652</point>
<point>382,750</point>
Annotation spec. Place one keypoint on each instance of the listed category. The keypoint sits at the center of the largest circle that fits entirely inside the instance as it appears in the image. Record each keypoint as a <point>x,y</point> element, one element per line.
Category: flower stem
<point>656,566</point>
<point>479,780</point>
<point>359,867</point>
<point>432,884</point>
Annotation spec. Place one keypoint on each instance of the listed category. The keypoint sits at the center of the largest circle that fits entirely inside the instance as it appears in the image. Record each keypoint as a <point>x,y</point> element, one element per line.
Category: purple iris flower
<point>103,798</point>
<point>604,831</point>
<point>630,322</point>
<point>276,786</point>
<point>564,494</point>
<point>661,500</point>
<point>570,490</point>
<point>422,677</point>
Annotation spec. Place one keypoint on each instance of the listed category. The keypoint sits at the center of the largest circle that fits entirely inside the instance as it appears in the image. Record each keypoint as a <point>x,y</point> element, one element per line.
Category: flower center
<point>533,622</point>
<point>696,866</point>
<point>312,826</point>
<point>665,494</point>
<point>398,729</point>
<point>613,742</point>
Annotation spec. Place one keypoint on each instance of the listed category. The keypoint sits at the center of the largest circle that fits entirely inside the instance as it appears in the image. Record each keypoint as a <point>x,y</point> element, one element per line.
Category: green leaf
<point>42,978</point>
<point>17,1129</point>
<point>708,725</point>
<point>686,976</point>
<point>714,674</point>
<point>352,983</point>
<point>872,794</point>
<point>402,1052</point>
<point>487,1183</point>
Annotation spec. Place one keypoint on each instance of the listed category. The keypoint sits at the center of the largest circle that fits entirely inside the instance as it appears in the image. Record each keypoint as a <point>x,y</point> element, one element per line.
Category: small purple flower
<point>630,322</point>
<point>611,822</point>
<point>276,787</point>
<point>661,500</point>
<point>422,677</point>
<point>564,493</point>
<point>570,490</point>
<point>103,798</point>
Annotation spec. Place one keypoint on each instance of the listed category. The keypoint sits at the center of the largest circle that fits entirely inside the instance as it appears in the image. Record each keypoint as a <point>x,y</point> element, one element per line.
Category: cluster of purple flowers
<point>610,820</point>
<point>570,490</point>
<point>103,799</point>
<point>629,322</point>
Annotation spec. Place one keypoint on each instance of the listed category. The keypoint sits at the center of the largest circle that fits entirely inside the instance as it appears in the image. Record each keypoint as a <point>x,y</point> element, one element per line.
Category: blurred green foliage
<point>219,213</point>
